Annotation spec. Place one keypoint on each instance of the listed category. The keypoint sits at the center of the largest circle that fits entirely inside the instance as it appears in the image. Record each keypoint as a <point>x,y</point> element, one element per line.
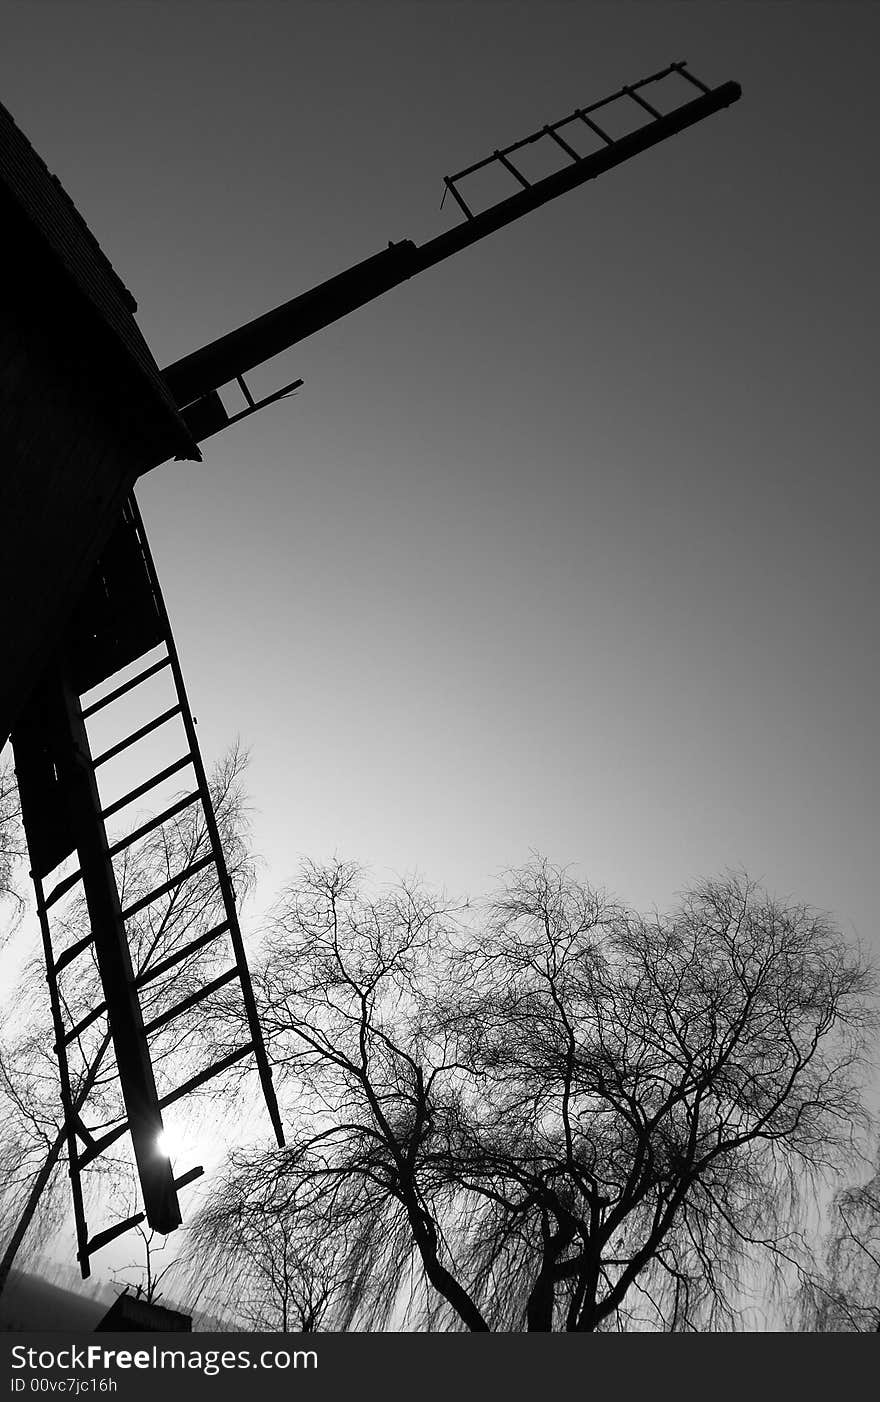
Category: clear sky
<point>569,544</point>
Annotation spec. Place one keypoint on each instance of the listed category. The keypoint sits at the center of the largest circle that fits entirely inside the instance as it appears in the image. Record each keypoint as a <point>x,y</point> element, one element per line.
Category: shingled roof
<point>53,217</point>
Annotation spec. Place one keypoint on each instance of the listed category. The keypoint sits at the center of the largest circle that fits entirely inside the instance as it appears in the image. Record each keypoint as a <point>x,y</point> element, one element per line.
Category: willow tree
<point>559,1115</point>
<point>12,850</point>
<point>843,1295</point>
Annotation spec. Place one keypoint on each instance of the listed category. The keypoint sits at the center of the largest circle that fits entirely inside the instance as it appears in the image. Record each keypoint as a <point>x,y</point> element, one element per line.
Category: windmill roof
<point>130,1313</point>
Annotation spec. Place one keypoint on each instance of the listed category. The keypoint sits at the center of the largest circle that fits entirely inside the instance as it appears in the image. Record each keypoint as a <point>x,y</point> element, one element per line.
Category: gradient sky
<point>569,544</point>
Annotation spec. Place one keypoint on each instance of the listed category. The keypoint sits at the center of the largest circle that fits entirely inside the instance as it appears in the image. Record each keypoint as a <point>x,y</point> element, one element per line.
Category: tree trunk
<point>42,1179</point>
<point>441,1279</point>
<point>539,1309</point>
<point>38,1187</point>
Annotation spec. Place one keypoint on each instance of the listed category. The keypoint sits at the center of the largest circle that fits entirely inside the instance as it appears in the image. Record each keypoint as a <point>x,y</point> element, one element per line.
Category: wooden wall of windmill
<point>84,411</point>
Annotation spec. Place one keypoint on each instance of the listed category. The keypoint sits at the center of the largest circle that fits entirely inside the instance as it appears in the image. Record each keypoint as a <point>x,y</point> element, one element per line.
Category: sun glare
<point>168,1143</point>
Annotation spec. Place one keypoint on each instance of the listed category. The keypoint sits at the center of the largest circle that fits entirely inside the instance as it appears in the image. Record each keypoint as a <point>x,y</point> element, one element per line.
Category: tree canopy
<point>843,1296</point>
<point>12,849</point>
<point>550,1114</point>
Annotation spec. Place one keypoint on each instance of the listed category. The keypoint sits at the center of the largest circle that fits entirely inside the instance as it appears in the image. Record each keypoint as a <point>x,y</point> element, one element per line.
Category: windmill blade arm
<point>194,380</point>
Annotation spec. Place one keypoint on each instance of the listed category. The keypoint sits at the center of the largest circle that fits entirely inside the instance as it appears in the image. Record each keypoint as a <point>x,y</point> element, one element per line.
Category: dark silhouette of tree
<point>563,1116</point>
<point>246,1253</point>
<point>33,1135</point>
<point>149,1275</point>
<point>844,1297</point>
<point>12,850</point>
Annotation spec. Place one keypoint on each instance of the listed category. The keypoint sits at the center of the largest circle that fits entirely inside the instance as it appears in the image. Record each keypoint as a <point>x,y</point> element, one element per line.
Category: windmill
<point>93,658</point>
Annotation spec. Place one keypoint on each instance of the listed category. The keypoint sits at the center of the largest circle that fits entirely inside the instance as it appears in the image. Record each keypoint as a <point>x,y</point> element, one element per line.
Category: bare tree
<point>12,850</point>
<point>149,1276</point>
<point>33,1127</point>
<point>844,1296</point>
<point>248,1255</point>
<point>564,1116</point>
